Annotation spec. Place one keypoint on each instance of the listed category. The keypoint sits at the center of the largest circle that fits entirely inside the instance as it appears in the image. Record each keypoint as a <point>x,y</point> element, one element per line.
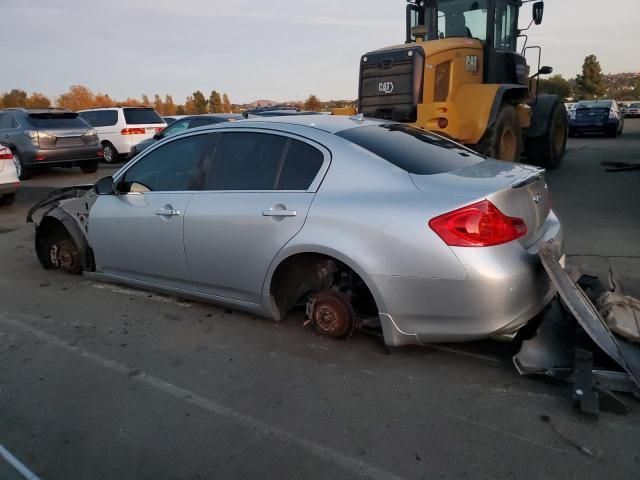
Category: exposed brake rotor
<point>331,313</point>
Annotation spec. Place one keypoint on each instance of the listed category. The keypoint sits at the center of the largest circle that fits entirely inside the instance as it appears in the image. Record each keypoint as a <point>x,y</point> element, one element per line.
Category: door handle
<point>279,213</point>
<point>168,213</point>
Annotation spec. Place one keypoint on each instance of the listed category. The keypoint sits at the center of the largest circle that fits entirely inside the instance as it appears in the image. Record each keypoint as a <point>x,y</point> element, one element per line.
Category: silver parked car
<point>364,223</point>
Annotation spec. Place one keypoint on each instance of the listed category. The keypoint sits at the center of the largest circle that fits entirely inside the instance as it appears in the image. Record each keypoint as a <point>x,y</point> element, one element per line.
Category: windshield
<point>457,18</point>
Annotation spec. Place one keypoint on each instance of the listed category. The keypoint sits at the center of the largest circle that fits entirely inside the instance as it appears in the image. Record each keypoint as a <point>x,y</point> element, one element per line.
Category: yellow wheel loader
<point>459,74</point>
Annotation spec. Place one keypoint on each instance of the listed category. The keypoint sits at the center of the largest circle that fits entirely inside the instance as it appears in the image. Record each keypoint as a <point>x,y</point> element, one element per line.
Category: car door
<point>255,198</point>
<point>7,127</point>
<point>137,233</point>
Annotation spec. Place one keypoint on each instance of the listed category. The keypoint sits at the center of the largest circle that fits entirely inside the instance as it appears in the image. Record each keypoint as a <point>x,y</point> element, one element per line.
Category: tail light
<point>5,154</point>
<point>477,225</point>
<point>159,129</point>
<point>33,135</point>
<point>133,131</point>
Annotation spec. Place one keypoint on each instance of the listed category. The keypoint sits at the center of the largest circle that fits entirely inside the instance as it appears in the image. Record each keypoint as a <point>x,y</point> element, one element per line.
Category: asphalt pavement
<point>105,382</point>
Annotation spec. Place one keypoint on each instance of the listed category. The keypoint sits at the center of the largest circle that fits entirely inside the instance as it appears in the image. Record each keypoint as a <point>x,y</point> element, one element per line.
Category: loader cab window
<point>506,26</point>
<point>457,19</point>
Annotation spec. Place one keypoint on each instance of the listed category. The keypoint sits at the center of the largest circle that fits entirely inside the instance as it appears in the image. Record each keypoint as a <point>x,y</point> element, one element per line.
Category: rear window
<point>599,105</point>
<point>141,116</point>
<point>100,118</point>
<point>414,150</point>
<point>56,120</point>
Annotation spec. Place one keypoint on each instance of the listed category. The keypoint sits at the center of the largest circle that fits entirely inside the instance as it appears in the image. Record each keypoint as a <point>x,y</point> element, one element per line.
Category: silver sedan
<point>356,222</point>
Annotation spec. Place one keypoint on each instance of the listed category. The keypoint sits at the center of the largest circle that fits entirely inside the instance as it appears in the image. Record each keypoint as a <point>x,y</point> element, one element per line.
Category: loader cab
<point>492,22</point>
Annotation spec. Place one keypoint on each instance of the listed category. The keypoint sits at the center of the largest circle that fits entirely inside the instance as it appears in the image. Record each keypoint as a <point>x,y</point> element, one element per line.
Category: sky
<point>252,49</point>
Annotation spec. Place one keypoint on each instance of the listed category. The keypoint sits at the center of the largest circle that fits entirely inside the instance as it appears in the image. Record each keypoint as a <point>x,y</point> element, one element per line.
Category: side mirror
<point>538,10</point>
<point>546,70</point>
<point>104,186</point>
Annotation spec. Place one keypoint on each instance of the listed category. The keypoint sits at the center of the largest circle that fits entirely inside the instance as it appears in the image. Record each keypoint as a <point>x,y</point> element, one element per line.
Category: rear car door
<point>256,195</point>
<point>137,233</point>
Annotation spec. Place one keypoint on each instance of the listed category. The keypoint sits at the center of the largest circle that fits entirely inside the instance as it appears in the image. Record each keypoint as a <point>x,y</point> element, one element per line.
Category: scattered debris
<point>574,343</point>
<point>572,443</point>
<point>620,166</point>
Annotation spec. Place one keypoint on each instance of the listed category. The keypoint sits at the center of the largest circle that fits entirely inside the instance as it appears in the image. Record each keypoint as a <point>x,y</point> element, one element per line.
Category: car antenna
<point>357,118</point>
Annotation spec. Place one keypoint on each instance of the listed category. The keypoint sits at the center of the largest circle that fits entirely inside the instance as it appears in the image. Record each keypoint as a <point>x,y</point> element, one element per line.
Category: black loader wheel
<point>60,251</point>
<point>504,140</point>
<point>548,149</point>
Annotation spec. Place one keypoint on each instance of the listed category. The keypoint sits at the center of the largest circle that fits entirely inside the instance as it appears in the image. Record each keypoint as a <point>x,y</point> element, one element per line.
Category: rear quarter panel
<point>369,214</point>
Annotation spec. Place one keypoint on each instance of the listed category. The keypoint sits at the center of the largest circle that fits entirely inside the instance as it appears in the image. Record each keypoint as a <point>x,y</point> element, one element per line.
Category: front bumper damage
<point>576,344</point>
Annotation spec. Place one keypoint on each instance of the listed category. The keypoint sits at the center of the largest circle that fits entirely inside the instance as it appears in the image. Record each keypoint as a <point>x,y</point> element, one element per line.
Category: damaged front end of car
<point>61,220</point>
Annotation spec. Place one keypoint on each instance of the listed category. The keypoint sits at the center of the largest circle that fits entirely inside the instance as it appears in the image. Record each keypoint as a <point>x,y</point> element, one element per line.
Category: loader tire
<point>504,140</point>
<point>548,149</point>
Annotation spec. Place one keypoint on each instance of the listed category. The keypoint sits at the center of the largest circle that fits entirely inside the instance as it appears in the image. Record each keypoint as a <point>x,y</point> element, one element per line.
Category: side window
<point>6,121</point>
<point>200,122</point>
<point>100,118</point>
<point>174,166</point>
<point>176,127</point>
<point>246,161</point>
<point>301,165</point>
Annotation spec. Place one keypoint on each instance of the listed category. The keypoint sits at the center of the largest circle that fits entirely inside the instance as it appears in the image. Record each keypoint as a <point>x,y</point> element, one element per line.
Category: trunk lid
<point>517,190</point>
<point>592,115</point>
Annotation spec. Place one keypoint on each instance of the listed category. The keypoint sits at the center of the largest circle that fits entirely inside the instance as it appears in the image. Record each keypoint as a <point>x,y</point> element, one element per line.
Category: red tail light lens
<point>133,131</point>
<point>477,225</point>
<point>5,154</point>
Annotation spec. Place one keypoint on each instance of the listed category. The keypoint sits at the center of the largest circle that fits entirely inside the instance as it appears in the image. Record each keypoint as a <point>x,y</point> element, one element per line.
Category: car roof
<point>215,115</point>
<point>327,123</point>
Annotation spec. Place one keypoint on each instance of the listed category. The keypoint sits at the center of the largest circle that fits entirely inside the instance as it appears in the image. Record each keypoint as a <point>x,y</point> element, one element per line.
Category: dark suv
<point>49,137</point>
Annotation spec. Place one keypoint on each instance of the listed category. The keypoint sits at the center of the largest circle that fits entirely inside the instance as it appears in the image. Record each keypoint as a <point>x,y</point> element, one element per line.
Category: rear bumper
<point>69,155</point>
<point>8,188</point>
<point>593,127</point>
<point>506,286</point>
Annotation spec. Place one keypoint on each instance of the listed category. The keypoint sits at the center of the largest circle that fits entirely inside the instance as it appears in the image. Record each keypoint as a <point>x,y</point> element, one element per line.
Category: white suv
<point>9,182</point>
<point>121,128</point>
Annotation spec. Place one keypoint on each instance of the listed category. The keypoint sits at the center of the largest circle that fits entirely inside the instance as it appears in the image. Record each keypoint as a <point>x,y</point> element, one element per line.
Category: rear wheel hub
<point>332,314</point>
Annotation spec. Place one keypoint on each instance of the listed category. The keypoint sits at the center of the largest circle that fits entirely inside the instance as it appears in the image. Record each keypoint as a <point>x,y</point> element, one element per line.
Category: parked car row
<point>49,137</point>
<point>120,129</point>
<point>596,116</point>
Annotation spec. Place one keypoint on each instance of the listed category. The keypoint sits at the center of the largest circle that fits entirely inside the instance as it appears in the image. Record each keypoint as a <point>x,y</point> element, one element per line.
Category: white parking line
<point>354,465</point>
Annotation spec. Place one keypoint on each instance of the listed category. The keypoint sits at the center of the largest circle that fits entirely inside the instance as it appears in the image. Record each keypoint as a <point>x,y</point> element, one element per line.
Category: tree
<point>190,106</point>
<point>556,85</point>
<point>38,100</point>
<point>215,103</point>
<point>170,107</point>
<point>590,83</point>
<point>102,100</point>
<point>200,103</point>
<point>180,110</point>
<point>312,103</point>
<point>77,98</point>
<point>158,105</point>
<point>14,98</point>
<point>226,104</point>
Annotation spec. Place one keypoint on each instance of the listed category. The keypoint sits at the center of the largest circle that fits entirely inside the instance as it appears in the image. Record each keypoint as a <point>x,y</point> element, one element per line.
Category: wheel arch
<point>511,94</point>
<point>57,220</point>
<point>309,256</point>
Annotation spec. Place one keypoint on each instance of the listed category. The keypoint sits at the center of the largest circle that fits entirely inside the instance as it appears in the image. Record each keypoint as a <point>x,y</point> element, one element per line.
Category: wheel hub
<point>332,314</point>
